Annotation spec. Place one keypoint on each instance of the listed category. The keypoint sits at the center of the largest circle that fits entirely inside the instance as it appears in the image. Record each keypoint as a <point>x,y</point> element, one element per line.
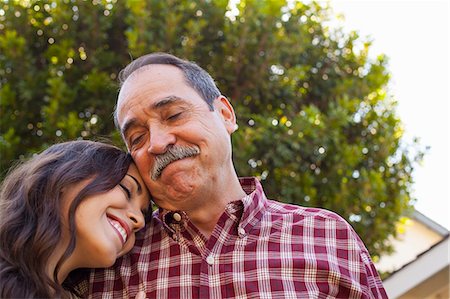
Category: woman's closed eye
<point>126,190</point>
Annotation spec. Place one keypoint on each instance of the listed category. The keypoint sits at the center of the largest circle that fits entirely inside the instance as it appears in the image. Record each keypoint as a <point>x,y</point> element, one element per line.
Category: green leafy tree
<point>317,125</point>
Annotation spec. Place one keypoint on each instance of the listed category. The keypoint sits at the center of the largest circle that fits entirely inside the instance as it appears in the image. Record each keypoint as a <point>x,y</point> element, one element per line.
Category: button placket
<point>210,260</point>
<point>175,225</point>
<point>176,216</point>
<point>241,231</point>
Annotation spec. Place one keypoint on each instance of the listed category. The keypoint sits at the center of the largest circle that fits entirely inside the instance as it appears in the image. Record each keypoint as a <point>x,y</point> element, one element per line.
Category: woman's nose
<point>137,219</point>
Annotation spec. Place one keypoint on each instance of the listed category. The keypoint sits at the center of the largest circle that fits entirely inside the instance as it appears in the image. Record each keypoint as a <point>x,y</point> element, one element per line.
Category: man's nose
<point>160,140</point>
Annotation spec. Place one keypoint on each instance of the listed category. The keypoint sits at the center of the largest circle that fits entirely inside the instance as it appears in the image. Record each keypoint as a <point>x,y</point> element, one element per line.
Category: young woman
<point>76,205</point>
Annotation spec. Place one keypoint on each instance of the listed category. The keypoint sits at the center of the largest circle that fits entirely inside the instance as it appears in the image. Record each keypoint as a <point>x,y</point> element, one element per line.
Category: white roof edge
<point>430,223</point>
<point>425,266</point>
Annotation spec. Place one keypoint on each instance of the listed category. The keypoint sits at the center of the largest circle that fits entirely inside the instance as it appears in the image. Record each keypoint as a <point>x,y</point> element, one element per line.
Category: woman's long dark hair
<point>30,211</point>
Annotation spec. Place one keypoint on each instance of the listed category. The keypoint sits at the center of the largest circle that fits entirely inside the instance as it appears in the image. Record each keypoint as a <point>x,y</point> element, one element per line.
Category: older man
<point>216,235</point>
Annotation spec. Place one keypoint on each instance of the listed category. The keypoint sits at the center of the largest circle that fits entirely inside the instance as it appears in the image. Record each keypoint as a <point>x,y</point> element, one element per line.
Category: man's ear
<point>226,111</point>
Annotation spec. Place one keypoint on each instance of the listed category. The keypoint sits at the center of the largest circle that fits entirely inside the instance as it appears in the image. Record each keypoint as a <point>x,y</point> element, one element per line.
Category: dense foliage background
<point>317,124</point>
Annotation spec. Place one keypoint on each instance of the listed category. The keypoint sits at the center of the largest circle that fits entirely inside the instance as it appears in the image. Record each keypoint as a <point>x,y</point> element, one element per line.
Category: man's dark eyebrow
<point>139,188</point>
<point>167,101</point>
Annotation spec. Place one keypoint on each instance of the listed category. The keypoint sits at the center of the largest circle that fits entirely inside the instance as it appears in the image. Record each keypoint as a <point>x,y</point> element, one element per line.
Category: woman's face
<point>106,223</point>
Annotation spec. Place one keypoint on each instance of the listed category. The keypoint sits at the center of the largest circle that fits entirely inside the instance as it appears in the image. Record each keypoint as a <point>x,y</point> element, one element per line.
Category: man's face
<point>158,112</point>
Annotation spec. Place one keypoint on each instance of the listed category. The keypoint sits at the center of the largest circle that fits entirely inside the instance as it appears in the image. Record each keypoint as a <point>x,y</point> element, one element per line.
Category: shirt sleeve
<point>371,283</point>
<point>375,287</point>
<point>352,272</point>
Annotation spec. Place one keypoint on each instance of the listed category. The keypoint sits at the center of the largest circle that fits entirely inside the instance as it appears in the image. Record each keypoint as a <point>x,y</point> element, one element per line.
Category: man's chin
<point>176,183</point>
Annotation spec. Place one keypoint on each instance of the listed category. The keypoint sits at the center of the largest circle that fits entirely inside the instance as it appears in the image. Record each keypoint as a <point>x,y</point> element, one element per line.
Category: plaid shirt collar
<point>246,212</point>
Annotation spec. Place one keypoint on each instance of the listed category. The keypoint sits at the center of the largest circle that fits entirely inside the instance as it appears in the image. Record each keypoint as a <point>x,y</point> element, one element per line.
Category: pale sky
<point>415,36</point>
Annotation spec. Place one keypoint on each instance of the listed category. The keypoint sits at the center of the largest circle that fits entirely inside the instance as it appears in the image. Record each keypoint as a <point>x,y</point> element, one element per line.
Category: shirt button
<point>177,217</point>
<point>241,232</point>
<point>210,260</point>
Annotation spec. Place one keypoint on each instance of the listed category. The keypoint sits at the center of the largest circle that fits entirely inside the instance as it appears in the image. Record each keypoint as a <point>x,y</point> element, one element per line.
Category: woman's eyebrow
<point>139,188</point>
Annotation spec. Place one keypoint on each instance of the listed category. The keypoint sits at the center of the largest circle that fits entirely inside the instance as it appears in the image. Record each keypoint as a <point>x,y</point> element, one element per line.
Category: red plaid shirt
<point>259,249</point>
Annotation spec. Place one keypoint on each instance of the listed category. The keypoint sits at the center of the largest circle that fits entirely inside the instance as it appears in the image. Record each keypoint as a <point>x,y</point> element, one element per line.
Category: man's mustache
<point>173,153</point>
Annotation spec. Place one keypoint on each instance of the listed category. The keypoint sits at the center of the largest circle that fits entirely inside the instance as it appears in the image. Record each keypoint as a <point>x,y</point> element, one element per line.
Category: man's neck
<point>206,215</point>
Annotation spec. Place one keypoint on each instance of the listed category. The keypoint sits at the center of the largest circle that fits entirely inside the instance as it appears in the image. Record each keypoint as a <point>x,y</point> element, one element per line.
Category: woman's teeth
<point>119,228</point>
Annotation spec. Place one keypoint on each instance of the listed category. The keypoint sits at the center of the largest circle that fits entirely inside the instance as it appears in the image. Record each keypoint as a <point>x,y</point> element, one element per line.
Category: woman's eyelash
<point>126,190</point>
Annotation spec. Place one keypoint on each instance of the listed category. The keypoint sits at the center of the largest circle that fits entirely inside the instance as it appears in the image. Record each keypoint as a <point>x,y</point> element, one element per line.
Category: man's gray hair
<point>195,76</point>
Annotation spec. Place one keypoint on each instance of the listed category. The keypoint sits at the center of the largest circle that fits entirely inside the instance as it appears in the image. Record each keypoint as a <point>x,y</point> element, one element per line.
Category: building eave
<point>426,265</point>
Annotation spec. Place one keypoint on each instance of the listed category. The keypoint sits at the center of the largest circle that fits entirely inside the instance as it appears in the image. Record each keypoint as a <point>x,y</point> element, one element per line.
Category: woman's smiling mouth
<point>119,227</point>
